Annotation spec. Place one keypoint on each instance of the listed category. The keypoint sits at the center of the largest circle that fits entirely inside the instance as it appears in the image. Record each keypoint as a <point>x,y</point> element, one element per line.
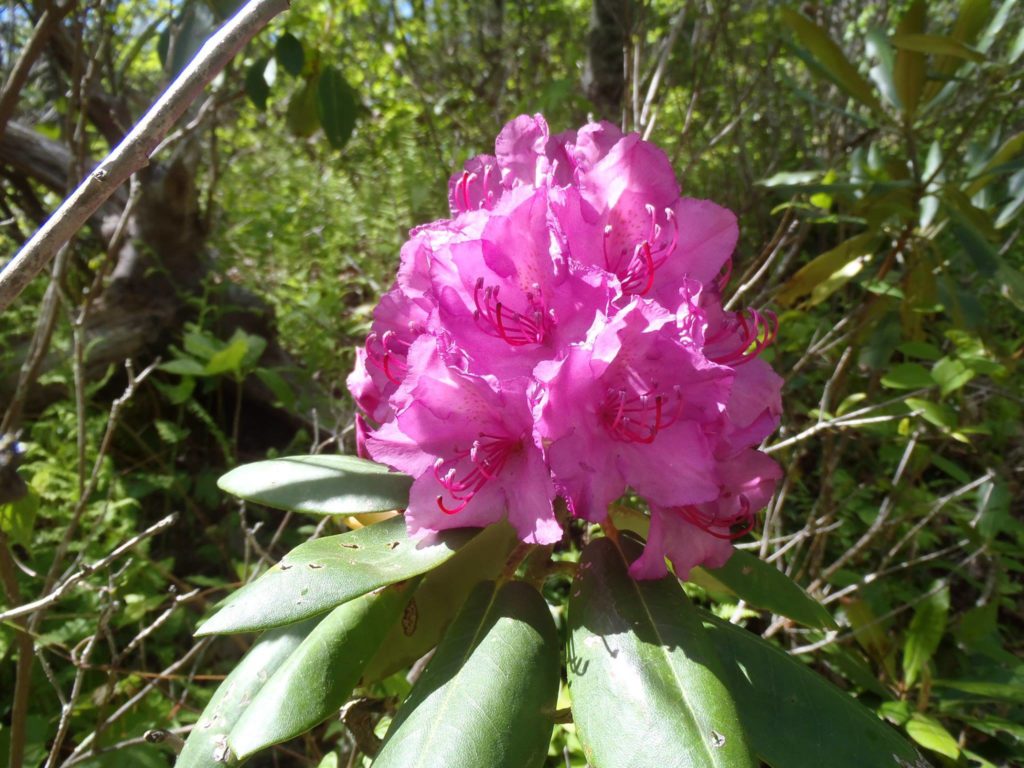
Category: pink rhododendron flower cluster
<point>563,335</point>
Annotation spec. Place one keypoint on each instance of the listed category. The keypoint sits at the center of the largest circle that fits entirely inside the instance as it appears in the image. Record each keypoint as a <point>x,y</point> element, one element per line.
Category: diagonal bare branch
<point>133,153</point>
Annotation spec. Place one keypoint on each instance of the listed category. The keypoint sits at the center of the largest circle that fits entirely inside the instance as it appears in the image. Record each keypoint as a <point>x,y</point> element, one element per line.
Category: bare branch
<point>133,153</point>
<point>58,592</point>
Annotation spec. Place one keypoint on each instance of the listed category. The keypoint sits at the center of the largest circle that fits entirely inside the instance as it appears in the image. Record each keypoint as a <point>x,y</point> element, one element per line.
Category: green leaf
<point>256,87</point>
<point>827,273</point>
<point>301,115</point>
<point>319,676</point>
<point>931,734</point>
<point>909,72</point>
<point>487,697</point>
<point>18,518</point>
<point>764,586</point>
<point>935,45</point>
<point>229,359</point>
<point>183,366</point>
<point>951,374</point>
<point>644,678</point>
<point>1011,692</point>
<point>289,54</point>
<point>879,48</point>
<point>1007,151</point>
<point>206,742</point>
<point>924,634</point>
<point>319,485</point>
<point>794,717</point>
<point>324,573</point>
<point>908,376</point>
<point>336,106</point>
<point>831,58</point>
<point>439,598</point>
<point>939,414</point>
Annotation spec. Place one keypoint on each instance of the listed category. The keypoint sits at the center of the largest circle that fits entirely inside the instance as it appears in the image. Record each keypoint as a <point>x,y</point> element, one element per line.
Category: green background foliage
<point>873,153</point>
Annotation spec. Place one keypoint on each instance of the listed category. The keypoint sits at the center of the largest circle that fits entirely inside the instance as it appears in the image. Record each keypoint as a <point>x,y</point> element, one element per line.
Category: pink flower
<point>563,335</point>
<point>467,440</point>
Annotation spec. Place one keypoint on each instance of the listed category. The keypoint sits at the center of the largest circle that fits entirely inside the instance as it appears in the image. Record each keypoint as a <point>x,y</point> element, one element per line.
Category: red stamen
<point>515,328</point>
<point>635,418</point>
<point>478,464</point>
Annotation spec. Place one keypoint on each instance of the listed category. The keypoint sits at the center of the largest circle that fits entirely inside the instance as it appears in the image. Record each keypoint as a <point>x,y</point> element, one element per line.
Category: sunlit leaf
<point>644,677</point>
<point>324,573</point>
<point>931,734</point>
<point>321,485</point>
<point>438,598</point>
<point>794,717</point>
<point>827,273</point>
<point>924,633</point>
<point>765,586</point>
<point>207,741</point>
<point>831,57</point>
<point>319,675</point>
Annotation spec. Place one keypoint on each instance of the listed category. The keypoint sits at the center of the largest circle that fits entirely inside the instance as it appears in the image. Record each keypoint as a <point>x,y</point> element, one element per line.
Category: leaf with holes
<point>438,598</point>
<point>324,573</point>
<point>207,739</point>
<point>320,674</point>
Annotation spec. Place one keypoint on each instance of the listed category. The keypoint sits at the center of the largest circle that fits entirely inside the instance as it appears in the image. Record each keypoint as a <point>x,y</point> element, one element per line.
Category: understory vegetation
<point>207,316</point>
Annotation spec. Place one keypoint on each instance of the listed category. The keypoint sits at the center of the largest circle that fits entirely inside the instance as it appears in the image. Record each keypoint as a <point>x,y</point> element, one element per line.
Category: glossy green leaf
<point>645,681</point>
<point>320,485</point>
<point>984,689</point>
<point>289,53</point>
<point>256,87</point>
<point>487,697</point>
<point>939,414</point>
<point>831,57</point>
<point>324,573</point>
<point>1007,151</point>
<point>794,717</point>
<point>205,746</point>
<point>909,72</point>
<point>924,633</point>
<point>319,676</point>
<point>439,597</point>
<point>336,107</point>
<point>935,45</point>
<point>765,586</point>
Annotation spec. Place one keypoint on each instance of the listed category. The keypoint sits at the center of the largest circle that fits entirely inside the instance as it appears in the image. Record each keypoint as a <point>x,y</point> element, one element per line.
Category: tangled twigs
<point>87,569</point>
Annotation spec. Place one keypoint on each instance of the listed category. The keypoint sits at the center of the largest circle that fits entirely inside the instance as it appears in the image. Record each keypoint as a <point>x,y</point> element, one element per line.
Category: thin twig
<point>55,595</point>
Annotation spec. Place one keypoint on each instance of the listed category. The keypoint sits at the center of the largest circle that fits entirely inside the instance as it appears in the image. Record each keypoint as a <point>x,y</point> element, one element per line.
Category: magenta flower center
<point>388,352</point>
<point>742,337</point>
<point>470,469</point>
<point>634,417</point>
<point>516,328</point>
<point>636,269</point>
